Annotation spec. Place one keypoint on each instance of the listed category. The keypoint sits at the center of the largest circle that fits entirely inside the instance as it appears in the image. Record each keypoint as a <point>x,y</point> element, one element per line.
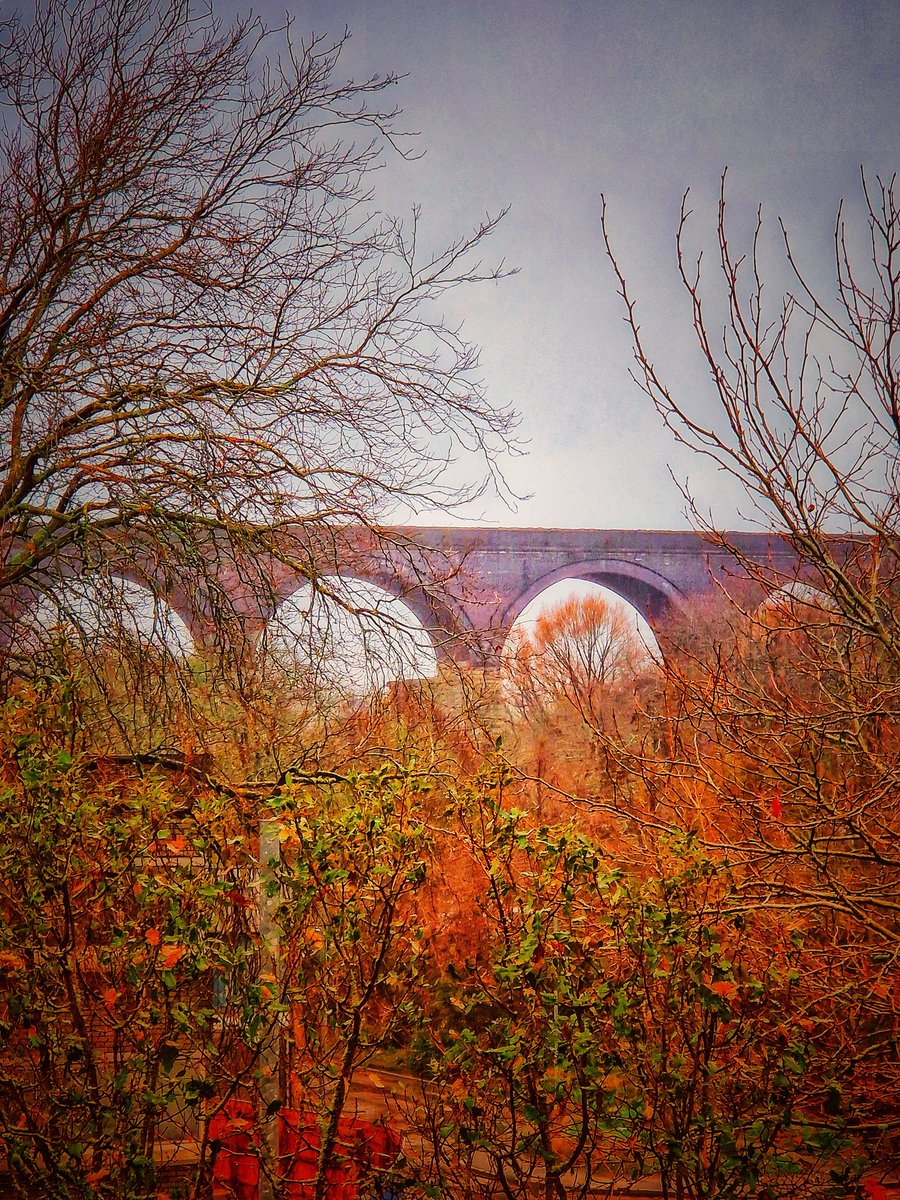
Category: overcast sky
<point>541,106</point>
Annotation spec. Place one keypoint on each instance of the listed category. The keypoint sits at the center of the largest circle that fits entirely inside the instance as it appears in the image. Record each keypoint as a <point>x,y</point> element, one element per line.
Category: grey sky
<point>543,106</point>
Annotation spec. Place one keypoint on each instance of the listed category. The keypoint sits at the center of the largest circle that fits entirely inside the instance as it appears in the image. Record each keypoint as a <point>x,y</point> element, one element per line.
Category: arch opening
<point>648,592</point>
<point>346,637</point>
<point>93,613</point>
<point>576,638</point>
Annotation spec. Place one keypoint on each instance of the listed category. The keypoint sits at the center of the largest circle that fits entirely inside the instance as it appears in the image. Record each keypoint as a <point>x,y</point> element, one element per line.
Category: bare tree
<point>807,412</point>
<point>780,740</point>
<point>208,334</point>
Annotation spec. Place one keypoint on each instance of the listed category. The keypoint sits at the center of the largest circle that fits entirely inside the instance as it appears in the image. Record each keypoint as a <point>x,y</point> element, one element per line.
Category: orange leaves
<point>561,1143</point>
<point>172,954</point>
<point>574,652</point>
<point>170,844</point>
<point>10,961</point>
<point>724,988</point>
<point>238,899</point>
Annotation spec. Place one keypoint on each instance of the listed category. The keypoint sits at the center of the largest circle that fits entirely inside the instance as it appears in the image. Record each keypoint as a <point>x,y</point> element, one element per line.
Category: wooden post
<point>270,1058</point>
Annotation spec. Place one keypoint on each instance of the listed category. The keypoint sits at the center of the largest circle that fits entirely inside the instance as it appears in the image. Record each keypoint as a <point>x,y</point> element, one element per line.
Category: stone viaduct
<point>466,585</point>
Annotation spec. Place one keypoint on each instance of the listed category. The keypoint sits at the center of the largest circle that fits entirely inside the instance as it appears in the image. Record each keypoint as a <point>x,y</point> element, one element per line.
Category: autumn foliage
<point>619,918</point>
<point>130,1004</point>
<point>618,1024</point>
<point>575,655</point>
<point>141,1003</point>
<point>595,990</point>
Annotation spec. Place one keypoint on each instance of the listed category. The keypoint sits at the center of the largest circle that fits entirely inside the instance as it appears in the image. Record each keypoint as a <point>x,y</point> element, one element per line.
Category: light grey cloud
<point>544,106</point>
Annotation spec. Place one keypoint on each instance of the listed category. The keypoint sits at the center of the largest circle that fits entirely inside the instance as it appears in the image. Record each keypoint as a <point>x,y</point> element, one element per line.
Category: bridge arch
<point>375,640</point>
<point>171,595</point>
<point>102,608</point>
<point>646,590</point>
<point>447,625</point>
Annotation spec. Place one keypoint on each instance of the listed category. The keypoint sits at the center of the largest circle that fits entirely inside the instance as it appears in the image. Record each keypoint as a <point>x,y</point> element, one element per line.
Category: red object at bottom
<point>236,1167</point>
<point>361,1150</point>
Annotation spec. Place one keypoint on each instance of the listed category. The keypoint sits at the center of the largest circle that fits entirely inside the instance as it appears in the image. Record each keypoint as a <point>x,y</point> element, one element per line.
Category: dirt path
<point>389,1095</point>
<point>377,1095</point>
